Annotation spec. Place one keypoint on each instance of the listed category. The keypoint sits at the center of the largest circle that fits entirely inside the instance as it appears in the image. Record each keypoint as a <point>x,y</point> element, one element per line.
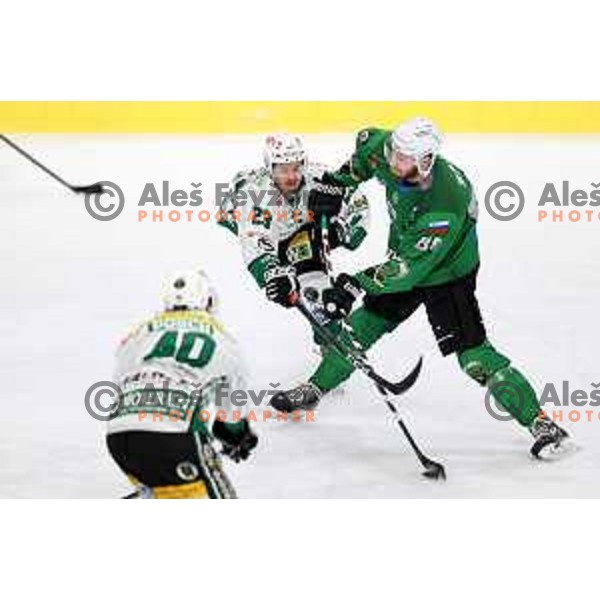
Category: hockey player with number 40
<point>175,360</point>
<point>432,260</point>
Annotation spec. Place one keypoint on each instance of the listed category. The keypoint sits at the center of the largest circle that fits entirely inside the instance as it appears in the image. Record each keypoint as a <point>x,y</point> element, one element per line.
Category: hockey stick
<point>354,354</point>
<point>137,494</point>
<point>95,188</point>
<point>357,360</point>
<point>326,245</point>
<point>326,256</point>
<point>215,472</point>
<point>433,469</point>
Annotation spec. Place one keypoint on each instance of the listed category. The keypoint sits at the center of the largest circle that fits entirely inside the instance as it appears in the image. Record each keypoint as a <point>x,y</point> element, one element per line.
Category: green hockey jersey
<point>432,238</point>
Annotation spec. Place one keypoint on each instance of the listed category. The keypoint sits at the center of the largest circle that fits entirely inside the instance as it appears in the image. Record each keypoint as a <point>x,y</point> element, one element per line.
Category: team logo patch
<point>358,203</point>
<point>394,269</point>
<point>300,248</point>
<point>187,471</point>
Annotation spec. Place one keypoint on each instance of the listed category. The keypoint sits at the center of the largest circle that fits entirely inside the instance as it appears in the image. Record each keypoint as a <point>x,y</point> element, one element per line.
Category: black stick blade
<point>434,470</point>
<point>95,188</point>
<point>405,384</point>
<point>132,496</point>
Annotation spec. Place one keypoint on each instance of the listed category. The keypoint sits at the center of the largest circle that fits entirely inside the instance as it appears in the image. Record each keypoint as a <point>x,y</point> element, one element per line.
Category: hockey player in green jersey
<point>432,260</point>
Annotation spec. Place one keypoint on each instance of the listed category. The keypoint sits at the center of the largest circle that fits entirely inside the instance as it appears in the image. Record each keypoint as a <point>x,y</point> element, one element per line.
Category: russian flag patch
<point>438,228</point>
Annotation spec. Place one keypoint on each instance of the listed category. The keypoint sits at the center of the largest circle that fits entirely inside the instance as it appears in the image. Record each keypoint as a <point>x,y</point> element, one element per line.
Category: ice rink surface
<point>72,285</point>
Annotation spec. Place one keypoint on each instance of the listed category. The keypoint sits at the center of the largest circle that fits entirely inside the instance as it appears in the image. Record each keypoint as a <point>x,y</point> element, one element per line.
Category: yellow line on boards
<point>301,117</point>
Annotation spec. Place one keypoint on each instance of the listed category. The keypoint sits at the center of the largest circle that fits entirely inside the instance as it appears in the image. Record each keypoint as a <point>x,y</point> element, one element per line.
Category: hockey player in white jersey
<point>169,369</point>
<point>284,249</point>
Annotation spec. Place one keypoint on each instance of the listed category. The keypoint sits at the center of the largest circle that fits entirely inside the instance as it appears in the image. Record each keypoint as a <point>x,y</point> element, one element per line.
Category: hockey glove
<point>326,197</point>
<point>339,299</point>
<point>281,285</point>
<point>237,438</point>
<point>337,234</point>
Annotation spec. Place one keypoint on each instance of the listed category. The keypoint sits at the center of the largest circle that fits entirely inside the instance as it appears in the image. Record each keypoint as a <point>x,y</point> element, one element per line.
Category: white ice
<point>71,285</point>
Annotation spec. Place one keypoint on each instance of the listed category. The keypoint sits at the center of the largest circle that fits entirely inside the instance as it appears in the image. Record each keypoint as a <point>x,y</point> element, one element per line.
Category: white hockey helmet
<point>191,290</point>
<point>418,138</point>
<point>283,148</point>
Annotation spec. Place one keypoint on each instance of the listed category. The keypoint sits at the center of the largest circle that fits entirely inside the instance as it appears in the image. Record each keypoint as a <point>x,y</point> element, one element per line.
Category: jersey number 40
<point>193,348</point>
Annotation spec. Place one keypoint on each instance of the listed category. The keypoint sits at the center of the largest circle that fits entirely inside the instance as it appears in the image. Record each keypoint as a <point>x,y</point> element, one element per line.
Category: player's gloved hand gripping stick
<point>353,354</point>
<point>357,360</point>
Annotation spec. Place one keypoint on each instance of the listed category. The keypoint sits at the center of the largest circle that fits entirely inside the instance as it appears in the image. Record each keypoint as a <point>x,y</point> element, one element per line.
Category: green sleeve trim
<point>367,157</point>
<point>259,267</point>
<point>235,427</point>
<point>409,266</point>
<point>229,225</point>
<point>357,236</point>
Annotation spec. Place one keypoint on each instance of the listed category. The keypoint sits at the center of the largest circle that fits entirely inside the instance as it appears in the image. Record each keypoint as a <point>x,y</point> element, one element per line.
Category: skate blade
<point>554,452</point>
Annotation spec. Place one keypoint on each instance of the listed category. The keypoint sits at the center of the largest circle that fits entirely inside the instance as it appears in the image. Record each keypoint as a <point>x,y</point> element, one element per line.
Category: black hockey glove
<point>326,197</point>
<point>237,438</point>
<point>282,285</point>
<point>338,300</point>
<point>337,234</point>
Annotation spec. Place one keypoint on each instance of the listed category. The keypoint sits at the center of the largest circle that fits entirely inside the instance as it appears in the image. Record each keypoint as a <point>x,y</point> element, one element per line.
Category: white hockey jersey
<point>175,372</point>
<point>273,229</point>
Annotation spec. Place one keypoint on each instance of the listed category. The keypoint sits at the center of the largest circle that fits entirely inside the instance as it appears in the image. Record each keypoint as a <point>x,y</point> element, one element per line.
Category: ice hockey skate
<point>303,397</point>
<point>549,437</point>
